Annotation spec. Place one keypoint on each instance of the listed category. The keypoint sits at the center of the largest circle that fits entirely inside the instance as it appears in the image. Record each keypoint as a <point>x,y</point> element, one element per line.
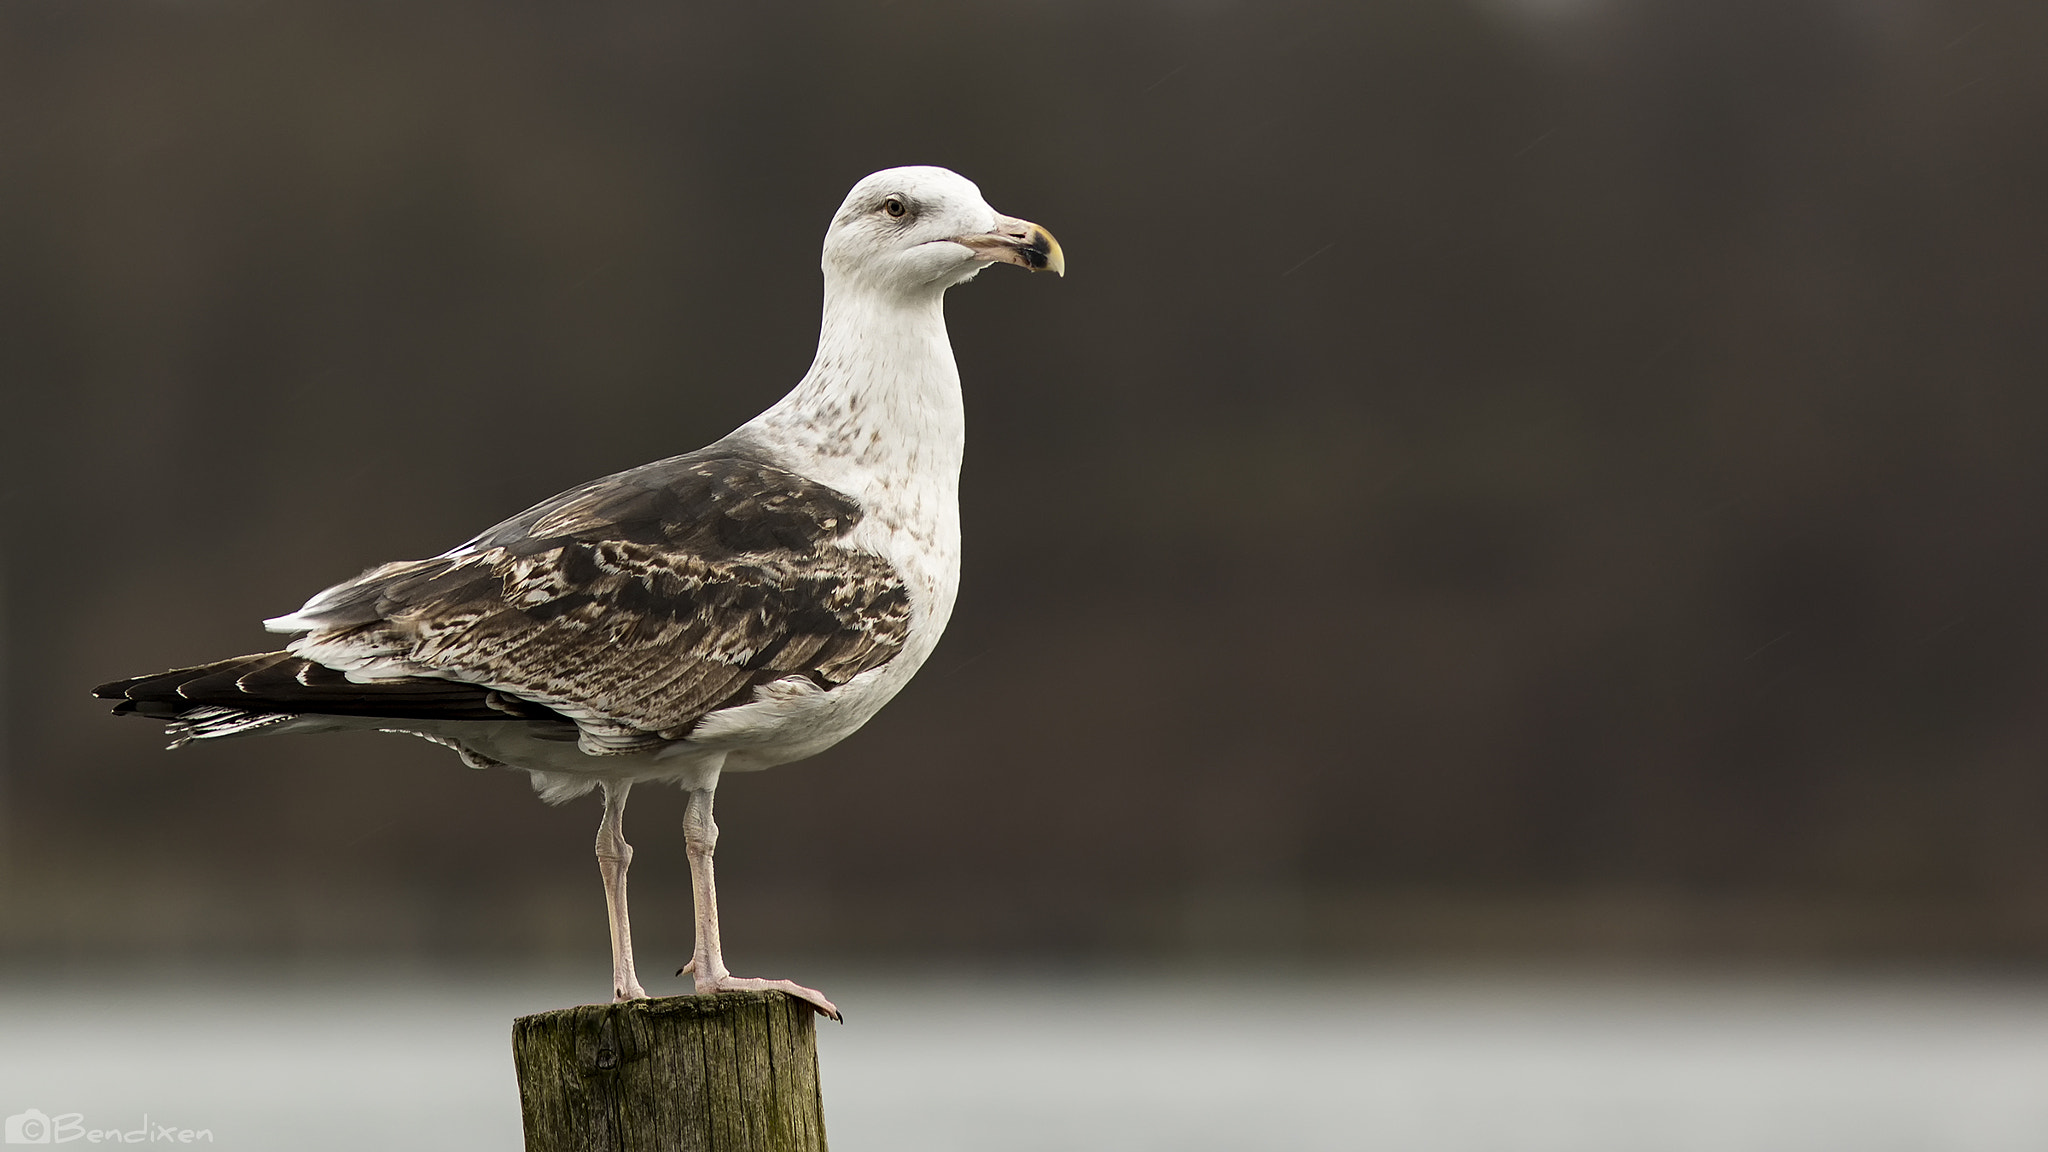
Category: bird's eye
<point>894,206</point>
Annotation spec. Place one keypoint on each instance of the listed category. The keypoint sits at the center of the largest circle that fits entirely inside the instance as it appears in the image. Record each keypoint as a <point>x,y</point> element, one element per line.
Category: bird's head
<point>918,231</point>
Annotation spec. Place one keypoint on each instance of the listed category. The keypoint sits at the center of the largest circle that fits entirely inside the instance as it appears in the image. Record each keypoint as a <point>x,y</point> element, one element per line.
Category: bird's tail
<point>247,694</point>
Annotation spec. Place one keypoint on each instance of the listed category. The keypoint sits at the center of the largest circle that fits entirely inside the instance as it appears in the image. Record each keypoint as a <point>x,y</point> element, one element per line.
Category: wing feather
<point>633,605</point>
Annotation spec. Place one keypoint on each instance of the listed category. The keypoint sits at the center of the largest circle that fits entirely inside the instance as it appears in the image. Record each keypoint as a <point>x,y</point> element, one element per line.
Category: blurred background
<point>1509,483</point>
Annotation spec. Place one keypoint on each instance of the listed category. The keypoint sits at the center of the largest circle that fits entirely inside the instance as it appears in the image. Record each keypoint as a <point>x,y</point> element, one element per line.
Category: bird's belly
<point>792,719</point>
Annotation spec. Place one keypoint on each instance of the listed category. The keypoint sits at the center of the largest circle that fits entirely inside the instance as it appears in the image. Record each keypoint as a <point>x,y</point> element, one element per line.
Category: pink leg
<point>613,855</point>
<point>707,966</point>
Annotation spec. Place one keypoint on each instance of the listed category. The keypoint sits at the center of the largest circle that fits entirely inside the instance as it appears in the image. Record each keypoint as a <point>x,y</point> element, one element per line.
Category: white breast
<point>880,418</point>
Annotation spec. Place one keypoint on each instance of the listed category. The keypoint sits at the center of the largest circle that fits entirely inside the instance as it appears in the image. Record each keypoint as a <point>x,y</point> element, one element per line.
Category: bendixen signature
<point>34,1126</point>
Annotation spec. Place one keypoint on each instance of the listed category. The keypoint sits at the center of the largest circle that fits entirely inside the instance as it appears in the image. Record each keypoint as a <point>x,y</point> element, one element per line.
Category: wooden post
<point>729,1072</point>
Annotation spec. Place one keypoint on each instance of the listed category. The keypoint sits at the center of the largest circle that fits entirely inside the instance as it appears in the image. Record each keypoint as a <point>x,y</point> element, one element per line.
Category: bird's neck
<point>881,403</point>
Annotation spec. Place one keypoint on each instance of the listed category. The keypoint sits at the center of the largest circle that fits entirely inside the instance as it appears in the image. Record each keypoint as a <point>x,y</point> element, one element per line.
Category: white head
<point>919,231</point>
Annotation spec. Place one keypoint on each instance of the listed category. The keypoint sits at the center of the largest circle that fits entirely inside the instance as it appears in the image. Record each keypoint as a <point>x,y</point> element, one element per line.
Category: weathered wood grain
<point>731,1072</point>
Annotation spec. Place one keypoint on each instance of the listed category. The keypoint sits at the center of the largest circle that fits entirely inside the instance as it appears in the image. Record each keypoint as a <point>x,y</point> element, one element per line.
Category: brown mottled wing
<point>635,604</point>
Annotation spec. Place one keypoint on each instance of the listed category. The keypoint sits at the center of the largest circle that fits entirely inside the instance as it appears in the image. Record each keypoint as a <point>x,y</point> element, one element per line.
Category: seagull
<point>745,605</point>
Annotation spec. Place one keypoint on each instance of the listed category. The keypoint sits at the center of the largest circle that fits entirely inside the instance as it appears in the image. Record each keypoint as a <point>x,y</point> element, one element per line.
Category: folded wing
<point>632,606</point>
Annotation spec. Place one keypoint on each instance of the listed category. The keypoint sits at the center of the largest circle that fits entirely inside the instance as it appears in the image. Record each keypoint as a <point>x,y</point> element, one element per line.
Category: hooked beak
<point>1018,242</point>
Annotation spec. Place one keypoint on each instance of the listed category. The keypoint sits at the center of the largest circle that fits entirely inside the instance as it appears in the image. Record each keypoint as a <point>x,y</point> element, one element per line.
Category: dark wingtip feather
<point>280,684</point>
<point>117,689</point>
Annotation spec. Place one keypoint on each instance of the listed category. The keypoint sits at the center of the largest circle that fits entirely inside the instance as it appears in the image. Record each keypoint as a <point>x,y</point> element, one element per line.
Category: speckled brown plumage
<point>633,606</point>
